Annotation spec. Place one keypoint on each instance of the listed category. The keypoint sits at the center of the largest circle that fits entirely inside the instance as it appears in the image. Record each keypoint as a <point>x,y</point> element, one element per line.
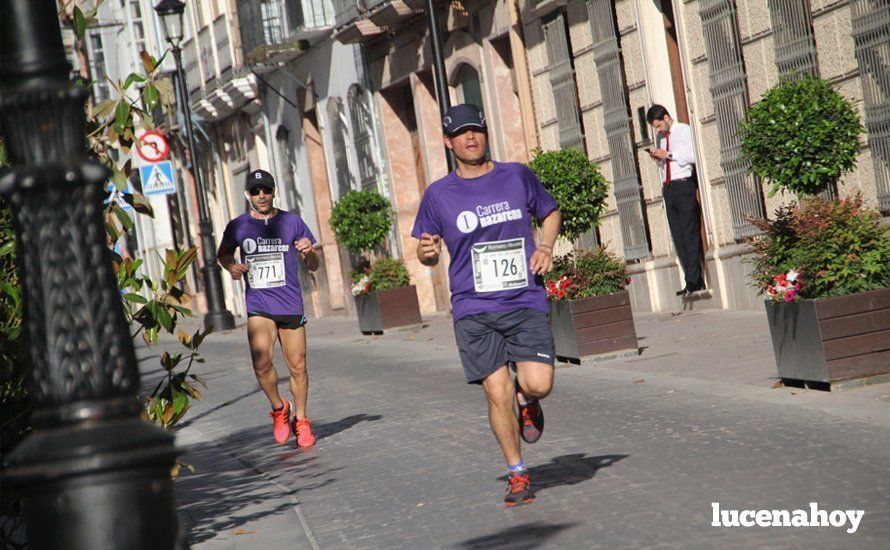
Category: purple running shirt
<point>272,280</point>
<point>486,223</point>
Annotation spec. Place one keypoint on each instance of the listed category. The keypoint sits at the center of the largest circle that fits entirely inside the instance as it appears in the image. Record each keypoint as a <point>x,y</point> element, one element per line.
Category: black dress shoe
<point>683,291</point>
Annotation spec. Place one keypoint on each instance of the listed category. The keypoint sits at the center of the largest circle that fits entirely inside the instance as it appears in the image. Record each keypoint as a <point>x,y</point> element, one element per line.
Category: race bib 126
<point>499,265</point>
<point>265,270</point>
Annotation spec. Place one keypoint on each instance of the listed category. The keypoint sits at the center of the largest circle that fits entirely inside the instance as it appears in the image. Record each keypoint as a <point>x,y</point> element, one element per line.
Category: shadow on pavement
<point>214,502</point>
<point>524,536</point>
<point>568,470</point>
<point>327,429</point>
<point>192,419</point>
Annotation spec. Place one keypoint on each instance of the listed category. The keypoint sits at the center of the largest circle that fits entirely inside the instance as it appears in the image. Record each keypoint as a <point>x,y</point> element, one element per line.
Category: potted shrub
<point>582,313</point>
<point>577,186</point>
<point>590,311</point>
<point>384,296</point>
<point>824,266</point>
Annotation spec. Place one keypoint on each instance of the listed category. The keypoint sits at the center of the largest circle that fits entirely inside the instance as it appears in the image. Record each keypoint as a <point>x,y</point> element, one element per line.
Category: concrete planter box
<point>598,326</point>
<point>831,342</point>
<point>385,309</point>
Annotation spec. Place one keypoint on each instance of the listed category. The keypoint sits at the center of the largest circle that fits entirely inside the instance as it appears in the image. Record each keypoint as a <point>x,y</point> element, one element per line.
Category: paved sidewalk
<point>635,451</point>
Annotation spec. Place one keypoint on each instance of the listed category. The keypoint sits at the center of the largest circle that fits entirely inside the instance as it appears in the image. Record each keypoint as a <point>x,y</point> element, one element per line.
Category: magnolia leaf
<point>104,108</point>
<point>121,116</point>
<point>131,78</point>
<point>150,96</point>
<point>140,204</point>
<point>80,23</point>
<point>135,298</point>
<point>148,61</point>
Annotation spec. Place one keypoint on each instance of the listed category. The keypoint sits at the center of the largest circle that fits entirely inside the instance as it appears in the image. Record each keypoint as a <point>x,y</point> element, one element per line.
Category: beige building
<point>597,65</point>
<point>484,65</point>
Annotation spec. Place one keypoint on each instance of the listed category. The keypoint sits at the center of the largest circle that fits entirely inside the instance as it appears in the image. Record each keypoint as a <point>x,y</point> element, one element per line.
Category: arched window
<point>337,121</point>
<point>469,85</point>
<point>362,128</point>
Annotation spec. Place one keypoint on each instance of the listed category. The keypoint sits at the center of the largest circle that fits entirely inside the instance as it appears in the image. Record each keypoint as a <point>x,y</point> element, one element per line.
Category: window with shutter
<point>726,73</point>
<point>617,122</point>
<point>337,121</point>
<point>871,34</point>
<point>362,127</point>
<point>562,79</point>
<point>793,38</point>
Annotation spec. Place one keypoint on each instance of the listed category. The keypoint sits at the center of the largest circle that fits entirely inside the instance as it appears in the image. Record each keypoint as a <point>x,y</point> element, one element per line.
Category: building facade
<point>597,65</point>
<point>319,114</point>
<point>484,65</point>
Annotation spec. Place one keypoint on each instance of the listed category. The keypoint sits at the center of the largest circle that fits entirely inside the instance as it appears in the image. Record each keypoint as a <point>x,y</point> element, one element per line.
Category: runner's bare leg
<point>261,335</point>
<point>502,413</point>
<point>293,347</point>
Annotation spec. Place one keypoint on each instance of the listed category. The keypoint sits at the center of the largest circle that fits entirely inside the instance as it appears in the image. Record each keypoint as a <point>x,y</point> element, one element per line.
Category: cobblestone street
<point>634,453</point>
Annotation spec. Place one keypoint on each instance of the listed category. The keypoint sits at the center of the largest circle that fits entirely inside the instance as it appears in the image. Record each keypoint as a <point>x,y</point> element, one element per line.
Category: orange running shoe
<point>280,421</point>
<point>519,489</point>
<point>303,432</point>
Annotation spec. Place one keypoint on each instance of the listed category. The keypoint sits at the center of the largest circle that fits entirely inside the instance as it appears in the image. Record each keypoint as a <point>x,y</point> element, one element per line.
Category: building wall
<point>647,75</point>
<point>478,37</point>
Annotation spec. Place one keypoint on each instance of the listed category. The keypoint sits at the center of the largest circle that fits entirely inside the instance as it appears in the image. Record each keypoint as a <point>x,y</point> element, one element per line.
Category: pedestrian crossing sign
<point>157,178</point>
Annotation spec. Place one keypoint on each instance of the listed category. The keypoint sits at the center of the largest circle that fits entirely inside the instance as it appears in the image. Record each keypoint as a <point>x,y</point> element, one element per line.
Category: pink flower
<point>789,296</point>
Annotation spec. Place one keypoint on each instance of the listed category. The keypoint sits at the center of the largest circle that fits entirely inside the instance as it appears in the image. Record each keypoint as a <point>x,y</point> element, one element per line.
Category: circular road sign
<point>153,146</point>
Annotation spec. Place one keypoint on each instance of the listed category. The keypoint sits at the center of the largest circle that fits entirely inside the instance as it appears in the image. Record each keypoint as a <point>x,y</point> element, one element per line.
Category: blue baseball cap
<point>462,116</point>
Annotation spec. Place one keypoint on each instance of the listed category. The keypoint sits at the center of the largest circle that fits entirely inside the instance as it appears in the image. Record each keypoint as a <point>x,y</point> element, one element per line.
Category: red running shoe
<point>531,419</point>
<point>280,423</point>
<point>303,432</point>
<point>519,489</point>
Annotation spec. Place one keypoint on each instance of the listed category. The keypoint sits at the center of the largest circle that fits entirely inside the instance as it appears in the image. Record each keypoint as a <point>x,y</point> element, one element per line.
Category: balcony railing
<point>279,24</point>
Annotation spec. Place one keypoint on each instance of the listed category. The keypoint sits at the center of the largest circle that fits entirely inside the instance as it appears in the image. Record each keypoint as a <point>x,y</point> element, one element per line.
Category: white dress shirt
<point>682,152</point>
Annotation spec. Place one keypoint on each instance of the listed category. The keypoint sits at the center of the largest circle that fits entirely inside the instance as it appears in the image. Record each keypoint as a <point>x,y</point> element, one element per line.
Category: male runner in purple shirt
<point>483,212</point>
<point>271,241</point>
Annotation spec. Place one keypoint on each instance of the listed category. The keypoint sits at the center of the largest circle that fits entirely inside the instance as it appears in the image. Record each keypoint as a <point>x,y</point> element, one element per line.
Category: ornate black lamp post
<point>92,474</point>
<point>171,12</point>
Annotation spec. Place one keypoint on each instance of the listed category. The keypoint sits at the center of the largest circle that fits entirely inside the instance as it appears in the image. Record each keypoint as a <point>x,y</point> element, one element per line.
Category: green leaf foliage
<point>387,273</point>
<point>801,137</point>
<point>577,186</point>
<point>838,247</point>
<point>584,274</point>
<point>361,220</point>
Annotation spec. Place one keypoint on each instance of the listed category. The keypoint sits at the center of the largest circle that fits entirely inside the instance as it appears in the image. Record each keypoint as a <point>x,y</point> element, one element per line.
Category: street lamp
<point>171,12</point>
<point>432,21</point>
<point>91,474</point>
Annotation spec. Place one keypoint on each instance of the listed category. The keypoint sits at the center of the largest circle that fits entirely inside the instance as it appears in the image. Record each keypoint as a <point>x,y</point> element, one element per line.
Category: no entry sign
<point>153,146</point>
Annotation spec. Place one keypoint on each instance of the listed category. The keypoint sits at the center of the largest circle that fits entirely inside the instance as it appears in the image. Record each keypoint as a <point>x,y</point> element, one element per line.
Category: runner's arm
<point>307,252</point>
<point>226,259</point>
<point>428,249</point>
<point>542,260</point>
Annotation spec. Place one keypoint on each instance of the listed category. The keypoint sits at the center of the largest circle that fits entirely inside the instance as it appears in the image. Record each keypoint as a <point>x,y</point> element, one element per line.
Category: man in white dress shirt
<point>675,156</point>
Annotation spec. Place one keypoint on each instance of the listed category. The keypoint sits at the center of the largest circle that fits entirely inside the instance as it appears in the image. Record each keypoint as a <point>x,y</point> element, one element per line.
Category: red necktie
<point>667,161</point>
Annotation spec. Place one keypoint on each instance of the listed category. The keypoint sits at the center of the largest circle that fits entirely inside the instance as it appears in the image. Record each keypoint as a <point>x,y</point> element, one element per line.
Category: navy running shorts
<point>488,341</point>
<point>292,322</point>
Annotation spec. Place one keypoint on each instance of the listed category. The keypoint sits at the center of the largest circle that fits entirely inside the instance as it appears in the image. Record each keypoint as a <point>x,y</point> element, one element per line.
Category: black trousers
<point>684,219</point>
